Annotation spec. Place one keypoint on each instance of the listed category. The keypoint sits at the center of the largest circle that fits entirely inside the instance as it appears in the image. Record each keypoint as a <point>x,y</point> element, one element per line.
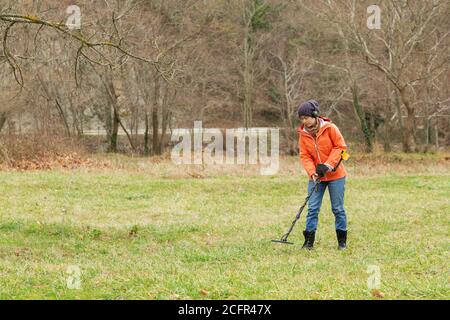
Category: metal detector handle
<point>335,168</point>
<point>343,155</point>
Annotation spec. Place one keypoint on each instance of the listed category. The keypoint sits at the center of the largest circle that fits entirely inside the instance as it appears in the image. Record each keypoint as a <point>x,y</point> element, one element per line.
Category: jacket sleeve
<point>306,158</point>
<point>338,146</point>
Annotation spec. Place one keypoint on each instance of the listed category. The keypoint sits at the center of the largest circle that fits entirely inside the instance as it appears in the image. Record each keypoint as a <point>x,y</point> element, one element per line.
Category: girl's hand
<point>315,177</point>
<point>322,169</point>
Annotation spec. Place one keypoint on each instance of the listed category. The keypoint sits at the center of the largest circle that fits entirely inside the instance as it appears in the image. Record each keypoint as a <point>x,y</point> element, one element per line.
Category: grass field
<point>137,235</point>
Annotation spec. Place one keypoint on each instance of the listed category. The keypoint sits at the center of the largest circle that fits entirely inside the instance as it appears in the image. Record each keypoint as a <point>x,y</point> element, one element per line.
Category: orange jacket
<point>326,149</point>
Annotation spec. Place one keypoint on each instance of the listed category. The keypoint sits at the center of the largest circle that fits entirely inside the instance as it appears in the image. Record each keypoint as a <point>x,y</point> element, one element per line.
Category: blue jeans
<point>336,189</point>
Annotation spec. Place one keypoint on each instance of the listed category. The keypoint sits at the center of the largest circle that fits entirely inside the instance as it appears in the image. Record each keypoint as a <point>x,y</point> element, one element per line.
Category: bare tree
<point>254,19</point>
<point>409,27</point>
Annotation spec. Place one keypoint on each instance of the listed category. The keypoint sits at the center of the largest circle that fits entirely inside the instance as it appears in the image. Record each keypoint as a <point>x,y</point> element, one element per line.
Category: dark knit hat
<point>309,108</point>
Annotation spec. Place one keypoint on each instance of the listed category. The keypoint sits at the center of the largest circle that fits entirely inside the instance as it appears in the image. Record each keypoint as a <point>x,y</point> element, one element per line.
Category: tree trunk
<point>387,127</point>
<point>387,137</point>
<point>114,132</point>
<point>166,115</point>
<point>155,120</point>
<point>164,124</point>
<point>436,131</point>
<point>146,150</point>
<point>155,133</point>
<point>77,118</point>
<point>387,122</point>
<point>2,120</point>
<point>63,117</point>
<point>408,132</point>
<point>126,132</point>
<point>248,81</point>
<point>362,119</point>
<point>108,119</point>
<point>112,97</point>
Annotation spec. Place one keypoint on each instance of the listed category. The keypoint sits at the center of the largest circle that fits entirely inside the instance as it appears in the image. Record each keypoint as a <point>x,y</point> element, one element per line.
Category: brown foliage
<point>35,152</point>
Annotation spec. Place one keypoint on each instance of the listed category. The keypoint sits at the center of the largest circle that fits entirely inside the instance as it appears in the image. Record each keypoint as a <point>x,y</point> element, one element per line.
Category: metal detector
<point>283,239</point>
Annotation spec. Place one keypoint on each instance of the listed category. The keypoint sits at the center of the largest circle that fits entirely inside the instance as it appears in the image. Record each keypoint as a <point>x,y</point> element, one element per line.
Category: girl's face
<point>308,121</point>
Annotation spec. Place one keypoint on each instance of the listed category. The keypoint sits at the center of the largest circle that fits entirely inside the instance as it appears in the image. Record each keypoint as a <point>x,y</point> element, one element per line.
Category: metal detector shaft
<point>286,235</point>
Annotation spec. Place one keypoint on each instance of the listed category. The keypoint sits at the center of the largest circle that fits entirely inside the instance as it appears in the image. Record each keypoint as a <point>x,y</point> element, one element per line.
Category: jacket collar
<point>324,123</point>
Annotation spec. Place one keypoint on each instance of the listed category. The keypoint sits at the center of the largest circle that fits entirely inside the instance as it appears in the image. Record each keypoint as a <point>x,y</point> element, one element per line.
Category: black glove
<point>321,169</point>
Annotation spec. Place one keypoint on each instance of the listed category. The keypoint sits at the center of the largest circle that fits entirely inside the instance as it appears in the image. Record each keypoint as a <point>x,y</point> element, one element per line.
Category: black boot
<point>309,239</point>
<point>342,239</point>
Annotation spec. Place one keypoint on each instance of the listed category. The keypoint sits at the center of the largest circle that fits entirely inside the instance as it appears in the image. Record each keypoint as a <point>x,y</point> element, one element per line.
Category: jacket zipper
<point>317,150</point>
<point>315,145</point>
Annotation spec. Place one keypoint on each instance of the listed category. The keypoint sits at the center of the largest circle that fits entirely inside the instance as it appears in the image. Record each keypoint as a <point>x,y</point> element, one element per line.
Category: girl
<point>321,144</point>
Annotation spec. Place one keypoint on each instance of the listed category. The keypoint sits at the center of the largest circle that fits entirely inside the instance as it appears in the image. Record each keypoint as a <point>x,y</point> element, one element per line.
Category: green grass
<point>135,236</point>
